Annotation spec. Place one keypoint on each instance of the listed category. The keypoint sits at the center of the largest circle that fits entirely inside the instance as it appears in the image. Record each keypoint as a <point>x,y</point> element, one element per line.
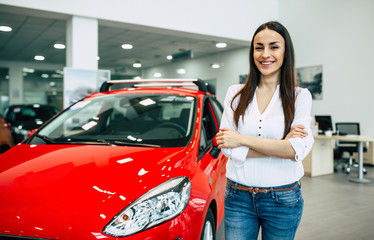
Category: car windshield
<point>155,120</point>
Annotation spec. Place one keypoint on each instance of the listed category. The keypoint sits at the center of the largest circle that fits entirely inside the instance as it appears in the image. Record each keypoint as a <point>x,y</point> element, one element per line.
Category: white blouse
<point>268,171</point>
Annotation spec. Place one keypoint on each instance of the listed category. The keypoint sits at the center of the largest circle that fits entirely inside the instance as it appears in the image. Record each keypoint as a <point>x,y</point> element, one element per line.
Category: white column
<point>82,43</point>
<point>15,84</point>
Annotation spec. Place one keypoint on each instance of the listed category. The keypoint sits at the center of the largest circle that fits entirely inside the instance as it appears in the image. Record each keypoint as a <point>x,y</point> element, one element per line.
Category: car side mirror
<point>215,150</point>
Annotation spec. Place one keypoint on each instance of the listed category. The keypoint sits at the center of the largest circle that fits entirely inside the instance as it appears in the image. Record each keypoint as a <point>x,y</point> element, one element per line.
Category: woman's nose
<point>266,53</point>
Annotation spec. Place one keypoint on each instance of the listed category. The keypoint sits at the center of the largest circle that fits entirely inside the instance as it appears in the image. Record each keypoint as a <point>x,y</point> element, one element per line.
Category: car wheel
<point>209,229</point>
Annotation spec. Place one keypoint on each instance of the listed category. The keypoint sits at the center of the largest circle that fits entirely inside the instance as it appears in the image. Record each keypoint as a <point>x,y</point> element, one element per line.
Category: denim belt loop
<point>236,185</point>
<point>272,193</point>
<point>299,183</point>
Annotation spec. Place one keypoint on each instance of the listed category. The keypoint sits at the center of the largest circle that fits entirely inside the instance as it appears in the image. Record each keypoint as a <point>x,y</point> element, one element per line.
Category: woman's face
<point>268,52</point>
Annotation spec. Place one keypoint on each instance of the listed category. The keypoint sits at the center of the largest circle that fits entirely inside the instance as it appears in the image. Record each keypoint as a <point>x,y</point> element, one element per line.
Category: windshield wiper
<point>123,143</point>
<point>45,138</point>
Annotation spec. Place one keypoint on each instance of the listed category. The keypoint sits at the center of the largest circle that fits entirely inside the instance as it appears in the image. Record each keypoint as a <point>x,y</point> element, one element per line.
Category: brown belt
<point>260,190</point>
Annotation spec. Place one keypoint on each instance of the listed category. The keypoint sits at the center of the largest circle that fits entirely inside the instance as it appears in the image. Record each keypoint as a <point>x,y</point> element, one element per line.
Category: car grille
<point>8,237</point>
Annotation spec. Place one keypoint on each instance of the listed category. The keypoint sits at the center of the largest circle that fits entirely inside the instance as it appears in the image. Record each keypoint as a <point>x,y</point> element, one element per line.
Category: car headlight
<point>159,205</point>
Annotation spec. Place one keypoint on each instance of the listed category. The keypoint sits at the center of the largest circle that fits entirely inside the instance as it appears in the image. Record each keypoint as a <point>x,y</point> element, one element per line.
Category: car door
<point>213,167</point>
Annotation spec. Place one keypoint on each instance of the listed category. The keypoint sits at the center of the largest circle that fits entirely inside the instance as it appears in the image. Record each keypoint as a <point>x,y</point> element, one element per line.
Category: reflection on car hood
<point>51,189</point>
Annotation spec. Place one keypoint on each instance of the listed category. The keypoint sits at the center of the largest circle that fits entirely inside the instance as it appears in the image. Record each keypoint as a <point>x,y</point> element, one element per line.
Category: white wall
<point>234,62</point>
<point>221,18</point>
<point>339,35</point>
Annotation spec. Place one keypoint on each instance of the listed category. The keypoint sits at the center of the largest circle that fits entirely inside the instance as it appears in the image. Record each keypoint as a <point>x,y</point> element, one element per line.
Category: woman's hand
<point>297,131</point>
<point>228,138</point>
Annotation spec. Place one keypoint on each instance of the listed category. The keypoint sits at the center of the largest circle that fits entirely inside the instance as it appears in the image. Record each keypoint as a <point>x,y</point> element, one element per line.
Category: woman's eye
<point>259,48</point>
<point>274,47</point>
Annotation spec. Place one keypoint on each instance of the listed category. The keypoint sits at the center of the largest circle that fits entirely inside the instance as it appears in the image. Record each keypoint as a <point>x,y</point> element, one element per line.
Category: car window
<point>218,109</point>
<point>208,129</point>
<point>165,120</point>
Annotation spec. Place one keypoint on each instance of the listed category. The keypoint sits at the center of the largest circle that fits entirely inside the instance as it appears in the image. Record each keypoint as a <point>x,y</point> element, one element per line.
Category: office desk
<point>360,139</point>
<point>320,160</point>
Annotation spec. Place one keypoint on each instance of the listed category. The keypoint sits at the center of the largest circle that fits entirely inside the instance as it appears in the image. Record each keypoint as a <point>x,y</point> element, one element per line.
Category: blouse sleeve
<point>239,153</point>
<point>303,106</point>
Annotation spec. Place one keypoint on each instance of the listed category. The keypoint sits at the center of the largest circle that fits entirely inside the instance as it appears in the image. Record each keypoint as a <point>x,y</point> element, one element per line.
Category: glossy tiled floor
<point>335,208</point>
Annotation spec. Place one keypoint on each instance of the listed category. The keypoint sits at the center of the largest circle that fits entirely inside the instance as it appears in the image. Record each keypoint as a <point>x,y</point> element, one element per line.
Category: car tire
<point>209,229</point>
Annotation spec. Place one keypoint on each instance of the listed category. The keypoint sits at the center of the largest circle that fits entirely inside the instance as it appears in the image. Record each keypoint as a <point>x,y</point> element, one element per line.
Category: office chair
<point>347,128</point>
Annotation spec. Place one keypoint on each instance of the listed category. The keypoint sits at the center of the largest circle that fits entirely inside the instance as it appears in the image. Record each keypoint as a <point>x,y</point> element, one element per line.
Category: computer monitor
<point>324,123</point>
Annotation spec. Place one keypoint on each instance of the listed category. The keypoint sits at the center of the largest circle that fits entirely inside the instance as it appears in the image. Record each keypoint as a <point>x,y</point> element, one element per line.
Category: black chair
<point>347,128</point>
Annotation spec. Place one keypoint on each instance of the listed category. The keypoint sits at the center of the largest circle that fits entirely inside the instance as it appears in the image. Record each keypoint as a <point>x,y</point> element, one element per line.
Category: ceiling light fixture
<point>216,65</point>
<point>59,46</point>
<point>28,70</point>
<point>127,46</point>
<point>169,57</point>
<point>137,64</point>
<point>5,29</point>
<point>221,45</point>
<point>39,58</point>
<point>181,71</point>
<point>157,75</point>
<point>97,58</point>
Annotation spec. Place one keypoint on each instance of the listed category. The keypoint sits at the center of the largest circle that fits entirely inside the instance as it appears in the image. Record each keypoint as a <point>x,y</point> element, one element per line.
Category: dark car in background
<point>26,117</point>
<point>6,140</point>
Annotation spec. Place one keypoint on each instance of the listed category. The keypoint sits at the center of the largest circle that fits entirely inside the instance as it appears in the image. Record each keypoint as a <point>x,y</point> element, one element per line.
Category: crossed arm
<point>260,147</point>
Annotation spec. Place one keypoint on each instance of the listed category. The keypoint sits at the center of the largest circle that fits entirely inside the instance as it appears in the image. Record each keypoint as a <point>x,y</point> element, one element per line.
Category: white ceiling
<point>34,35</point>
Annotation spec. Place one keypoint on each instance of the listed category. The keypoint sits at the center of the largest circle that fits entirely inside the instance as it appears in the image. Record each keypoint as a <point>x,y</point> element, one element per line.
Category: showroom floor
<point>335,208</point>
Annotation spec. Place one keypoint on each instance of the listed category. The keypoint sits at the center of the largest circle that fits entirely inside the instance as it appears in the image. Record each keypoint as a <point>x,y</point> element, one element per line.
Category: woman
<point>265,132</point>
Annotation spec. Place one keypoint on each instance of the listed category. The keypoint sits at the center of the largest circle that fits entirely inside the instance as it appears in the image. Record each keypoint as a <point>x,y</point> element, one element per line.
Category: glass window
<point>209,127</point>
<point>43,87</point>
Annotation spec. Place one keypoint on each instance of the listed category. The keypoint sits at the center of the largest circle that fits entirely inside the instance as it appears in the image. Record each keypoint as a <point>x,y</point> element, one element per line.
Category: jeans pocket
<point>289,197</point>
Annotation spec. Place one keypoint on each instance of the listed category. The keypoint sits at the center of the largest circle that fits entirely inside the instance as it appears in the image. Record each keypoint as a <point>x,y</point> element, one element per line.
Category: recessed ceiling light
<point>5,29</point>
<point>59,46</point>
<point>137,64</point>
<point>215,65</point>
<point>169,57</point>
<point>127,46</point>
<point>28,70</point>
<point>181,71</point>
<point>221,45</point>
<point>157,74</point>
<point>97,58</point>
<point>39,58</point>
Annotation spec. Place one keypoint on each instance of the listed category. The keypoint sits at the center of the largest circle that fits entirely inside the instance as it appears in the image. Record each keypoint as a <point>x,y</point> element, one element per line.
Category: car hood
<point>49,189</point>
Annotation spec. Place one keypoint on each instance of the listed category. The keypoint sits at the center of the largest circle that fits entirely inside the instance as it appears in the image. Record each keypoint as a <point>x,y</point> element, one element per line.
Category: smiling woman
<point>265,132</point>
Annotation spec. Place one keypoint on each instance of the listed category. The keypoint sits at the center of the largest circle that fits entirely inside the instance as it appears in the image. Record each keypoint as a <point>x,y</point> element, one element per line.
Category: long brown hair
<point>287,79</point>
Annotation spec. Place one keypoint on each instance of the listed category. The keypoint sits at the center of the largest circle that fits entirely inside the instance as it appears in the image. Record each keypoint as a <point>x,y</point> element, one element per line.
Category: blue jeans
<point>277,212</point>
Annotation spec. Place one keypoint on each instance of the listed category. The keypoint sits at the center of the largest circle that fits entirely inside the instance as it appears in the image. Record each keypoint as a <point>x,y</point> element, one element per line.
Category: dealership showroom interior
<point>109,112</point>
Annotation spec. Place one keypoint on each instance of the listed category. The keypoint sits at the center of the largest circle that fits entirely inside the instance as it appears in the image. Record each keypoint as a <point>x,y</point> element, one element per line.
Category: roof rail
<point>157,83</point>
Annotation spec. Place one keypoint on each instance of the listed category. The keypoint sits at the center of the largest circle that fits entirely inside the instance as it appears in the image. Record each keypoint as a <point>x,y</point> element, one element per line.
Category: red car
<point>132,163</point>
